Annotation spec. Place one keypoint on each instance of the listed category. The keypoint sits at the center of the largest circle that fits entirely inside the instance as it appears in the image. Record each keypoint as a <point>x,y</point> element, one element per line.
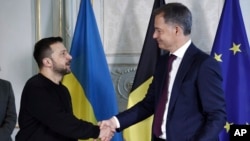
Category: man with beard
<point>46,111</point>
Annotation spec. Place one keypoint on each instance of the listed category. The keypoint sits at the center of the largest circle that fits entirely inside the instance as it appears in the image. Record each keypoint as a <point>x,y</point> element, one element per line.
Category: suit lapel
<point>186,63</point>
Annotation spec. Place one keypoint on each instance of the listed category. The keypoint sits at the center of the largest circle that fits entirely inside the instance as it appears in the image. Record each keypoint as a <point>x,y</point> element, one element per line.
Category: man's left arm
<point>9,122</point>
<point>212,98</point>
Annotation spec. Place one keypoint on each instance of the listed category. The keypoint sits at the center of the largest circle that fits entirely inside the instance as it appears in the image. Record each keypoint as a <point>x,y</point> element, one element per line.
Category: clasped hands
<point>107,129</point>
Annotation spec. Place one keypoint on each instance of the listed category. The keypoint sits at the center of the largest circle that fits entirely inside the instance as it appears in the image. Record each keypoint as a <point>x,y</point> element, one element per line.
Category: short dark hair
<point>176,13</point>
<point>42,49</point>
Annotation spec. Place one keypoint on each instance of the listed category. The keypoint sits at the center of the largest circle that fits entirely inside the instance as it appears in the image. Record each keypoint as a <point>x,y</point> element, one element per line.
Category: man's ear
<point>178,30</point>
<point>47,62</point>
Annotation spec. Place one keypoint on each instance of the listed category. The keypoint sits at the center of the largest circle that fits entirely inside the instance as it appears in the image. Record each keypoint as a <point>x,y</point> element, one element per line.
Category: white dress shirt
<point>175,66</point>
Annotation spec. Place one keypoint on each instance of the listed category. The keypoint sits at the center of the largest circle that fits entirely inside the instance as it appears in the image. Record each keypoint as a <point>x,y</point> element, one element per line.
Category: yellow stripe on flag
<point>81,106</point>
<point>142,130</point>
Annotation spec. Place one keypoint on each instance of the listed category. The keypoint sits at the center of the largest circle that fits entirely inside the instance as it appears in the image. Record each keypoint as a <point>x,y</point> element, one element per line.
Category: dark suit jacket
<point>197,107</point>
<point>7,111</point>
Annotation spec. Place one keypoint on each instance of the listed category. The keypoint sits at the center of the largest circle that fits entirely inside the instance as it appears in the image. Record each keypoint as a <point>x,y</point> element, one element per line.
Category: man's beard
<point>60,70</point>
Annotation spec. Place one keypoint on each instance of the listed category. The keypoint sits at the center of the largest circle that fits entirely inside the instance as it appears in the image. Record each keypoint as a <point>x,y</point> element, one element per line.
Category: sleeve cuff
<point>117,122</point>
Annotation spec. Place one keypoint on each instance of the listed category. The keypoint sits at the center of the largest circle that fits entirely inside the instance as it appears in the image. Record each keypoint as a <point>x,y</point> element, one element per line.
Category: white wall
<point>17,32</point>
<point>16,41</point>
<point>246,15</point>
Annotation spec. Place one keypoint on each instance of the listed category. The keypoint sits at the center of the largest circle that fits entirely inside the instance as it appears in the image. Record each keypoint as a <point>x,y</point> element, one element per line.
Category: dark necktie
<point>158,116</point>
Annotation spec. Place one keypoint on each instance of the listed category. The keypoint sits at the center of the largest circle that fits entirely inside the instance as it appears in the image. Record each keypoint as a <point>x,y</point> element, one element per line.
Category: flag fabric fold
<point>90,84</point>
<point>143,77</point>
<point>231,49</point>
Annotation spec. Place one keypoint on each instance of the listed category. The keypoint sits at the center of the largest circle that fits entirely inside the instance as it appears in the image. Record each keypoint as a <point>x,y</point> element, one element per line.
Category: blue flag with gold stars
<point>231,49</point>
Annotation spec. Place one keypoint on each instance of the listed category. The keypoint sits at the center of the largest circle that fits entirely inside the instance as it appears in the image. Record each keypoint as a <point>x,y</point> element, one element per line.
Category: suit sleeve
<point>145,108</point>
<point>9,121</point>
<point>212,99</point>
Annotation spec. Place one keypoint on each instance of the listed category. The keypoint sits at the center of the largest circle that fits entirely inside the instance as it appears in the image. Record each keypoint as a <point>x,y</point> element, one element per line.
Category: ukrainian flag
<point>90,84</point>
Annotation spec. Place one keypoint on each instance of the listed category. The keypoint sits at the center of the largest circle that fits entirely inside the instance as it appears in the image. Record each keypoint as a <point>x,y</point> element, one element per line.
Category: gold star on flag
<point>235,48</point>
<point>217,57</point>
<point>227,126</point>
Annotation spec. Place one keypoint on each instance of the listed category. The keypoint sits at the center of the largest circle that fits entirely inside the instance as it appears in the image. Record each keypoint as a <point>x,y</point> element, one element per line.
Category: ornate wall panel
<point>122,76</point>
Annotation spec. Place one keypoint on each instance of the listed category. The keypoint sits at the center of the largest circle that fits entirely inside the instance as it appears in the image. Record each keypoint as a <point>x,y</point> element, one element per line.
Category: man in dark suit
<point>8,114</point>
<point>194,106</point>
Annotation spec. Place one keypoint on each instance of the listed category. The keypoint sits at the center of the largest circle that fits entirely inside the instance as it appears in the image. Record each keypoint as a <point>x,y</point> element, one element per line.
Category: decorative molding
<point>38,19</point>
<point>122,77</point>
<point>60,18</point>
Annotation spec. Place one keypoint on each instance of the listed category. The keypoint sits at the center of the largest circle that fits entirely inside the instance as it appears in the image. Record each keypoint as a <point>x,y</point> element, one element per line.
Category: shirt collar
<point>181,51</point>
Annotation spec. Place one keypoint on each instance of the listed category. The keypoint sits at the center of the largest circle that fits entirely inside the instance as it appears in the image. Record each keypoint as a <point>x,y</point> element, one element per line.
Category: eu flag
<point>231,49</point>
<point>90,83</point>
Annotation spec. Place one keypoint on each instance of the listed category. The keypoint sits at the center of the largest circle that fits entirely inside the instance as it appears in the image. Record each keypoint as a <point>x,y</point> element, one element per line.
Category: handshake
<point>107,129</point>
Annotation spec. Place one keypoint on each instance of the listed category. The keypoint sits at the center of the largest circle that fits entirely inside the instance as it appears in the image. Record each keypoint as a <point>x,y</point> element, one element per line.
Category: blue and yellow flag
<point>231,49</point>
<point>90,84</point>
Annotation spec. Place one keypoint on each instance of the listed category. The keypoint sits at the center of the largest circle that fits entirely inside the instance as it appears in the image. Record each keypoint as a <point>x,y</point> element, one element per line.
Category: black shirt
<point>46,114</point>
